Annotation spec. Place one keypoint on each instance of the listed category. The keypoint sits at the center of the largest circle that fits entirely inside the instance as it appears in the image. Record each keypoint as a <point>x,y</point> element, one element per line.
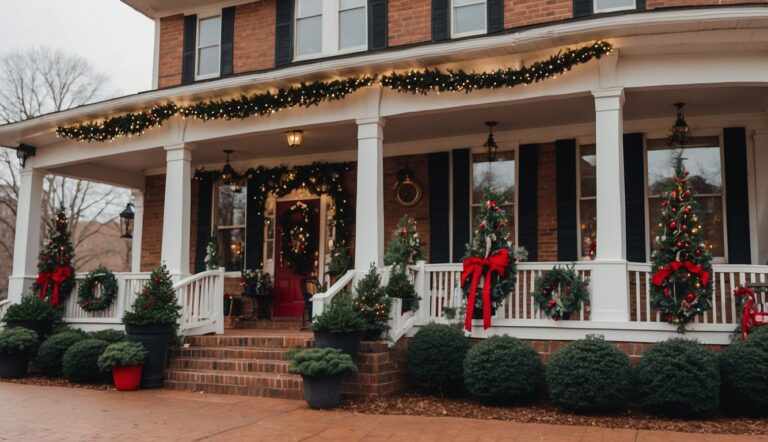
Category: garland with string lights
<point>297,249</point>
<point>312,94</point>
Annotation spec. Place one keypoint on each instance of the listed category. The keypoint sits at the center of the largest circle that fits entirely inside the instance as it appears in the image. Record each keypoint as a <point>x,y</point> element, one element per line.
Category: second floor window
<point>614,5</point>
<point>327,27</point>
<point>469,17</point>
<point>208,47</point>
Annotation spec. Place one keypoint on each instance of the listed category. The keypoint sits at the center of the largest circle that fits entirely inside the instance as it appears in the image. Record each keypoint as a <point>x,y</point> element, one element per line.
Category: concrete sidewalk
<point>32,413</point>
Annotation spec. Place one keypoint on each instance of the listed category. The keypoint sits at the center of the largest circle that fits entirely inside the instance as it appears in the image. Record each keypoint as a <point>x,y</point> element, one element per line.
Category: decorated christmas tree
<point>340,260</point>
<point>212,252</point>
<point>681,287</point>
<point>156,303</point>
<point>372,303</point>
<point>56,276</point>
<point>405,246</point>
<point>489,266</point>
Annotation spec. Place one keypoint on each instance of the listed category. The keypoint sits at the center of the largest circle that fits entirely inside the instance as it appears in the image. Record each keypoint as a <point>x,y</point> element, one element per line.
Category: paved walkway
<point>31,413</point>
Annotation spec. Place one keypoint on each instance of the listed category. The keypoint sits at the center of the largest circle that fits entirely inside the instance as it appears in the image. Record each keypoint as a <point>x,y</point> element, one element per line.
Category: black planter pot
<point>42,328</point>
<point>349,343</point>
<point>264,306</point>
<point>322,391</point>
<point>372,335</point>
<point>478,312</point>
<point>155,339</point>
<point>14,365</point>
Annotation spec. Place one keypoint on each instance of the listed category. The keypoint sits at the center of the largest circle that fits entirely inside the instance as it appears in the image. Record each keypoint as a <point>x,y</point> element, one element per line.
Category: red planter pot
<point>127,377</point>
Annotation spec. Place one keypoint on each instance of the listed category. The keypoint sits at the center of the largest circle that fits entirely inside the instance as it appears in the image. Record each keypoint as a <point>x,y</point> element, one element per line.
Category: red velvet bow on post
<point>61,274</point>
<point>663,273</point>
<point>42,280</point>
<point>474,266</point>
<point>748,312</point>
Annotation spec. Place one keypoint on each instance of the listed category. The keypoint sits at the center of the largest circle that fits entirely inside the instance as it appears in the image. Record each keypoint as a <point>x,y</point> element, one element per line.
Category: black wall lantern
<point>23,152</point>
<point>680,131</point>
<point>230,177</point>
<point>490,145</point>
<point>126,222</point>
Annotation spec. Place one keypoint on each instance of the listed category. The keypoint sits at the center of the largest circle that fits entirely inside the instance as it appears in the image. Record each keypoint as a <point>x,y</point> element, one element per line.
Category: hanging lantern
<point>230,177</point>
<point>680,131</point>
<point>126,222</point>
<point>490,145</point>
<point>294,138</point>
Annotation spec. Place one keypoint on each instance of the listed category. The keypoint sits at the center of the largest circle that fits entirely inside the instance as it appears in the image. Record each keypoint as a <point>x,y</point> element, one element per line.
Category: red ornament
<point>697,252</point>
<point>664,203</point>
<point>679,244</point>
<point>666,292</point>
<point>684,227</point>
<point>687,193</point>
<point>552,302</point>
<point>673,194</point>
<point>687,209</point>
<point>673,224</point>
<point>690,297</point>
<point>674,210</point>
<point>405,230</point>
<point>490,204</point>
<point>481,226</point>
<point>670,319</point>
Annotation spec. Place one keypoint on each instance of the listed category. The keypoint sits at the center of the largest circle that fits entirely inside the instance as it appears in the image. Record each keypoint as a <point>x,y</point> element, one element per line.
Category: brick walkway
<point>31,413</point>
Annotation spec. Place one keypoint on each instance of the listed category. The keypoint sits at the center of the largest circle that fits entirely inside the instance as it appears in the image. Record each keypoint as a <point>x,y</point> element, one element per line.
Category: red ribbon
<point>474,266</point>
<point>61,274</point>
<point>663,273</point>
<point>42,280</point>
<point>748,312</point>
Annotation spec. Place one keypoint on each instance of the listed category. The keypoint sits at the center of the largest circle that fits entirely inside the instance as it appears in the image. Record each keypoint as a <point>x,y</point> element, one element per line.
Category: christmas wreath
<point>296,249</point>
<point>560,292</point>
<point>86,293</point>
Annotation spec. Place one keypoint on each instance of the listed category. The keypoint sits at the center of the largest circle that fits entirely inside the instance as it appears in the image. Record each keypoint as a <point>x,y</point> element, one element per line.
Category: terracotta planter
<point>155,339</point>
<point>322,391</point>
<point>127,377</point>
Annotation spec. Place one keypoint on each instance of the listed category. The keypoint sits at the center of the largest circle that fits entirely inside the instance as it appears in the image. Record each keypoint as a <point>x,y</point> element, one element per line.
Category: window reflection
<point>498,175</point>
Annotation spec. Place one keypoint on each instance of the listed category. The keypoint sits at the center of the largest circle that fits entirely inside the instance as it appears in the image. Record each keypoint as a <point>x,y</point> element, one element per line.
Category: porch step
<point>283,340</point>
<point>272,354</point>
<point>239,365</point>
<point>266,324</point>
<point>282,386</point>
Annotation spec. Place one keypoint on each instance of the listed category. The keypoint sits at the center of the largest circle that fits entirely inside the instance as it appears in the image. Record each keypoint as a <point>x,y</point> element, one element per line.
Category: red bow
<point>474,266</point>
<point>42,280</point>
<point>663,273</point>
<point>61,274</point>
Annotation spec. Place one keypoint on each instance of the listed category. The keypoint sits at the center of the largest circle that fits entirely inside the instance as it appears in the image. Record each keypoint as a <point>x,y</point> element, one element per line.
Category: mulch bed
<point>57,382</point>
<point>414,404</point>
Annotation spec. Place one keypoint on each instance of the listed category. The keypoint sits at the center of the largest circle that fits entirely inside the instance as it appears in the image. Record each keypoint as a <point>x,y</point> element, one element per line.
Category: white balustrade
<point>321,301</point>
<point>201,297</point>
<point>128,285</point>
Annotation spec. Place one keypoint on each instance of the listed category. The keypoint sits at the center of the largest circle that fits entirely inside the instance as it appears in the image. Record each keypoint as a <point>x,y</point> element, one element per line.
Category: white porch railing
<point>322,300</point>
<point>201,297</point>
<point>128,284</point>
<point>3,307</point>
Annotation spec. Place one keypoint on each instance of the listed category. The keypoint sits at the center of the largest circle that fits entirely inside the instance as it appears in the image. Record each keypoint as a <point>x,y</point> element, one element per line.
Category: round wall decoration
<point>407,191</point>
<point>86,293</point>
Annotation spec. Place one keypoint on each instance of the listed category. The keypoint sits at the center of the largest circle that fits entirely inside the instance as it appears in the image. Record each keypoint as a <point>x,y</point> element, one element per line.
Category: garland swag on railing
<point>309,94</point>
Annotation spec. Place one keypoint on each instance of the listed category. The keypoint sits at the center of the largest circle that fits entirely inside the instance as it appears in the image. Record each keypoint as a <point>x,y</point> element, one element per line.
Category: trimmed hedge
<point>109,335</point>
<point>81,361</point>
<point>436,358</point>
<point>503,369</point>
<point>51,352</point>
<point>589,375</point>
<point>744,375</point>
<point>679,378</point>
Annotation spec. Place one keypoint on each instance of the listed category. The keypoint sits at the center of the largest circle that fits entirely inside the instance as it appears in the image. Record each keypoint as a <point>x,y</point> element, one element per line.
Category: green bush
<point>679,378</point>
<point>122,353</point>
<point>81,361</point>
<point>314,362</point>
<point>589,375</point>
<point>51,352</point>
<point>436,357</point>
<point>109,335</point>
<point>503,369</point>
<point>759,338</point>
<point>32,308</point>
<point>340,317</point>
<point>17,340</point>
<point>744,376</point>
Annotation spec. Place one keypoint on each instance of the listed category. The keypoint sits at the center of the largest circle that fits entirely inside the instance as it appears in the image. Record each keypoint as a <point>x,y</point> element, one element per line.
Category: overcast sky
<point>118,40</point>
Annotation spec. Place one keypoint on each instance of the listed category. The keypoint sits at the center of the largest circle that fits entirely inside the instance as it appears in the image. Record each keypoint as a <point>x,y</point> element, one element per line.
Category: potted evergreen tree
<point>404,249</point>
<point>126,360</point>
<point>322,370</point>
<point>373,304</point>
<point>152,321</point>
<point>16,348</point>
<point>33,313</point>
<point>340,326</point>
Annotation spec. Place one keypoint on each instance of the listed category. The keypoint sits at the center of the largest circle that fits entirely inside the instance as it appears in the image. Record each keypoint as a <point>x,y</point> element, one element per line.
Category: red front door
<point>289,300</point>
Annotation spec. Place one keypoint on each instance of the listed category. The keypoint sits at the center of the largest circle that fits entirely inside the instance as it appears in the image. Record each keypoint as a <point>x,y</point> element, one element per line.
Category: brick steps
<point>288,341</point>
<point>278,354</point>
<point>282,386</point>
<point>262,324</point>
<point>234,365</point>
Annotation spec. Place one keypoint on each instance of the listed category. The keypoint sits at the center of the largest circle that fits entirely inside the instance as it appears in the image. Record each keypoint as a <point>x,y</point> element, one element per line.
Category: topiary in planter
<point>436,358</point>
<point>339,326</point>
<point>34,313</point>
<point>51,352</point>
<point>322,370</point>
<point>503,369</point>
<point>109,335</point>
<point>744,376</point>
<point>81,361</point>
<point>122,354</point>
<point>589,375</point>
<point>16,347</point>
<point>679,378</point>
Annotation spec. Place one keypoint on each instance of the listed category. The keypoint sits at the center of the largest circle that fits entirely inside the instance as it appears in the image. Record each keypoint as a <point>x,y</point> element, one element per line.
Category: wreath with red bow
<point>297,250</point>
<point>560,292</point>
<point>86,293</point>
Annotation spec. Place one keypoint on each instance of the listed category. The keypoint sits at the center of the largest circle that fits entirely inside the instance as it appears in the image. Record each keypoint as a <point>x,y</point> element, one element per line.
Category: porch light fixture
<point>294,138</point>
<point>680,131</point>
<point>23,152</point>
<point>126,222</point>
<point>230,177</point>
<point>490,145</point>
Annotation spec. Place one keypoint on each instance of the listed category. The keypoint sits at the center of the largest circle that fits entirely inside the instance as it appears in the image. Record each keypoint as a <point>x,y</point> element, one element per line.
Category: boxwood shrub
<point>589,375</point>
<point>679,378</point>
<point>436,358</point>
<point>51,352</point>
<point>503,369</point>
<point>81,361</point>
<point>109,335</point>
<point>744,376</point>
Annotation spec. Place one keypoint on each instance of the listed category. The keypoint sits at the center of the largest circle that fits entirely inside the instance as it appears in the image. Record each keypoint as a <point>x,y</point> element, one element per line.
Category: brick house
<point>580,155</point>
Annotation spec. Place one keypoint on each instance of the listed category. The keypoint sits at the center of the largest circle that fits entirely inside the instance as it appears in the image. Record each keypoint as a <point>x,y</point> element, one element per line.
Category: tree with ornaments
<point>682,266</point>
<point>372,303</point>
<point>490,271</point>
<point>56,276</point>
<point>404,249</point>
<point>156,303</point>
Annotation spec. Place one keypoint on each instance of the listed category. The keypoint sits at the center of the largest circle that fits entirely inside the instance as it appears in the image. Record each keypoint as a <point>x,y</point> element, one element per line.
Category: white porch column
<point>176,210</point>
<point>138,228</point>
<point>26,244</point>
<point>610,287</point>
<point>369,221</point>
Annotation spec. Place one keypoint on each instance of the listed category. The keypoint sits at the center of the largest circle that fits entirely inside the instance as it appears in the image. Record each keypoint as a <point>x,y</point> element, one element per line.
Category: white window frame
<point>515,156</point>
<point>215,222</point>
<point>201,18</point>
<point>618,8</point>
<point>484,30</point>
<point>580,198</point>
<point>330,32</point>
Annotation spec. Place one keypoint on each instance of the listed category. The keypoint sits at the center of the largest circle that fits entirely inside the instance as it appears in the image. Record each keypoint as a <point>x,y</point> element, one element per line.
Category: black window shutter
<point>582,8</point>
<point>441,18</point>
<point>204,215</point>
<point>640,5</point>
<point>377,24</point>
<point>284,32</point>
<point>736,197</point>
<point>439,207</point>
<point>567,232</point>
<point>634,197</point>
<point>527,223</point>
<point>495,16</point>
<point>190,43</point>
<point>461,203</point>
<point>254,229</point>
<point>227,40</point>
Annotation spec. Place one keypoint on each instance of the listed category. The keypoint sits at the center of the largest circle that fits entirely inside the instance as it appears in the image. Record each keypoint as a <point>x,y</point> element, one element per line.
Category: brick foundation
<point>381,371</point>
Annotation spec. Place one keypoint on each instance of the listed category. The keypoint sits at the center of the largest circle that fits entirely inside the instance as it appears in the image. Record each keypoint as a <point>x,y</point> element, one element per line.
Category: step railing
<point>321,301</point>
<point>201,297</point>
<point>3,307</point>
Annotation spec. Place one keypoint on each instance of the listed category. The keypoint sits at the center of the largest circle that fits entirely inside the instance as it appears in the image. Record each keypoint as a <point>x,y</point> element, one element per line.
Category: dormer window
<point>614,5</point>
<point>329,27</point>
<point>208,47</point>
<point>469,17</point>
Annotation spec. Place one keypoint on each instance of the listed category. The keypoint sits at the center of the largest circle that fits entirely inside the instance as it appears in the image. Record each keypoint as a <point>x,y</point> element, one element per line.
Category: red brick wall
<point>394,211</point>
<point>171,51</point>
<point>518,13</point>
<point>654,4</point>
<point>254,45</point>
<point>409,21</point>
<point>547,204</point>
